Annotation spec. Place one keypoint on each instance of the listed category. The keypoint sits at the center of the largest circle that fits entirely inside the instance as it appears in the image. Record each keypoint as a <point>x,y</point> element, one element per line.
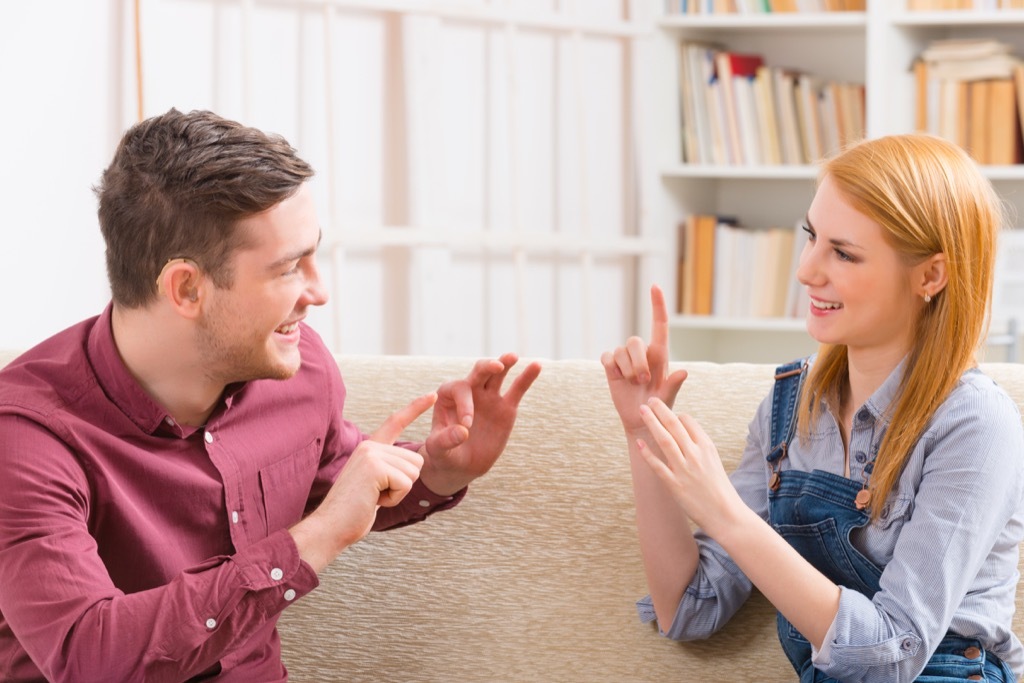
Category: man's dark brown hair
<point>177,187</point>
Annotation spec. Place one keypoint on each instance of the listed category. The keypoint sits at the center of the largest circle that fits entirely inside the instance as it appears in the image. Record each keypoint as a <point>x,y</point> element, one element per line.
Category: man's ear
<point>932,275</point>
<point>179,284</point>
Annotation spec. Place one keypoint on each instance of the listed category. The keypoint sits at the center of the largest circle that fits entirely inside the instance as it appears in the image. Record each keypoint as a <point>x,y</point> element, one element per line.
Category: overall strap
<point>789,379</point>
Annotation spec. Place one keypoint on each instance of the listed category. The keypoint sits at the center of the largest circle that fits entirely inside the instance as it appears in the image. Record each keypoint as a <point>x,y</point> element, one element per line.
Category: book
<point>1018,81</point>
<point>797,299</point>
<point>730,65</point>
<point>725,263</point>
<point>700,73</point>
<point>977,126</point>
<point>993,66</point>
<point>964,49</point>
<point>747,116</point>
<point>1003,123</point>
<point>768,116</point>
<point>703,263</point>
<point>809,112</point>
<point>688,133</point>
<point>785,269</point>
<point>681,266</point>
<point>790,141</point>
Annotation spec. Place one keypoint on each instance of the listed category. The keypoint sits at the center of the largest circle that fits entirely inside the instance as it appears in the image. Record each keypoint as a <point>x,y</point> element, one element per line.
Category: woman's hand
<point>686,461</point>
<point>638,371</point>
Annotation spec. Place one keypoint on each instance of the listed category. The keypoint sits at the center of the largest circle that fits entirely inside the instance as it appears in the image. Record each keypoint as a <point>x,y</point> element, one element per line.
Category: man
<point>176,471</point>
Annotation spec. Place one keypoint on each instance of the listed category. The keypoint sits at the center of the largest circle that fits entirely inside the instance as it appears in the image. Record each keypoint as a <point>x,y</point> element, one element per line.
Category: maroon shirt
<point>132,548</point>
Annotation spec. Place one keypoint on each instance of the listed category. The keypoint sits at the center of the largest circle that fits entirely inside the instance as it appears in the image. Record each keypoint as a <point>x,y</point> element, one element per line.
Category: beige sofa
<point>534,576</point>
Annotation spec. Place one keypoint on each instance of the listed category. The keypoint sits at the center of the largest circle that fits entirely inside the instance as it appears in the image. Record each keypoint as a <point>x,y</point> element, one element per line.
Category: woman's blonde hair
<point>929,197</point>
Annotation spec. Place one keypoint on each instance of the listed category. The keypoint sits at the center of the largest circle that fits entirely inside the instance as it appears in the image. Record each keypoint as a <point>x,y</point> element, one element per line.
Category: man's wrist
<point>442,482</point>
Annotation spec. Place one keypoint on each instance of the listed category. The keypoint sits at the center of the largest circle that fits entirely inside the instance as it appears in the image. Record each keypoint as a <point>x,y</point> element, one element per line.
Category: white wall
<point>59,118</point>
<point>436,125</point>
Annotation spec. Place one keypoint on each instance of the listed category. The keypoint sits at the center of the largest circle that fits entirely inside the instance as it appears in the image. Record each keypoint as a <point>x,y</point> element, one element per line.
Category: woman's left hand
<point>687,462</point>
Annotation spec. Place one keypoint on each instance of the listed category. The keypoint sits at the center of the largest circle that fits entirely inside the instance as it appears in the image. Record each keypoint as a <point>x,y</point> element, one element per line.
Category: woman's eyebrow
<point>834,241</point>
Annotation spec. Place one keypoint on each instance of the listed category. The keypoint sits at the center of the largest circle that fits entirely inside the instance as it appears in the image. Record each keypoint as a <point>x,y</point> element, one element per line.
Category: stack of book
<point>971,92</point>
<point>728,270</point>
<point>761,6</point>
<point>736,110</point>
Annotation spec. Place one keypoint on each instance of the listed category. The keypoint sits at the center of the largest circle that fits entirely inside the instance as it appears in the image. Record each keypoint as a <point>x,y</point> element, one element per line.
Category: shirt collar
<point>124,390</point>
<point>880,402</point>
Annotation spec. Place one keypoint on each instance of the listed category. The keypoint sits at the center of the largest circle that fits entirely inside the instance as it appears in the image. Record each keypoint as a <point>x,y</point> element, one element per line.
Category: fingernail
<point>644,410</point>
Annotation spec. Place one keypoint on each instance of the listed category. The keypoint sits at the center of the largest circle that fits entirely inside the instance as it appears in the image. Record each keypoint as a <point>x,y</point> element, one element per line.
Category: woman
<point>881,513</point>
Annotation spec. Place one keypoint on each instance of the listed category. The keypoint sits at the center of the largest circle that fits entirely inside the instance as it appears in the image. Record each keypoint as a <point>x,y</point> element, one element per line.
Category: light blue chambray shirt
<point>948,538</point>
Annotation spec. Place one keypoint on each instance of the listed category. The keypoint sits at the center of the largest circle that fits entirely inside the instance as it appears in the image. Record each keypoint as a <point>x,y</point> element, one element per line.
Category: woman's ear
<point>931,276</point>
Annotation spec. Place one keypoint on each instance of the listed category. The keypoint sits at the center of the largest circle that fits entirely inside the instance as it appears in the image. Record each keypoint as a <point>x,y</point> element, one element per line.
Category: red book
<point>743,64</point>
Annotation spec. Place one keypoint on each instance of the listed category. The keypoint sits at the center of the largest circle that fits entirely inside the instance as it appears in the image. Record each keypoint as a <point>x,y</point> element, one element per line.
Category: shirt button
<point>211,623</point>
<point>234,516</point>
<point>864,415</point>
<point>209,437</point>
<point>861,457</point>
<point>276,574</point>
<point>169,420</point>
<point>907,645</point>
<point>424,503</point>
<point>289,595</point>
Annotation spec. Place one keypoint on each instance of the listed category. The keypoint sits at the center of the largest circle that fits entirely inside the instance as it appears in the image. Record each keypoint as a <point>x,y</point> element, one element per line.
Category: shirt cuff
<point>274,571</point>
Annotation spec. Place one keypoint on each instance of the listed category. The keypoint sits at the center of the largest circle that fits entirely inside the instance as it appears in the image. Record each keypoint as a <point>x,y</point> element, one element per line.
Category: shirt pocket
<point>895,513</point>
<point>285,486</point>
<point>877,541</point>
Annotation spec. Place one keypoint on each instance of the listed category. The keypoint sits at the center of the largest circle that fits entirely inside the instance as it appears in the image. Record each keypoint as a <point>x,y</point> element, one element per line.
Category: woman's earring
<point>927,297</point>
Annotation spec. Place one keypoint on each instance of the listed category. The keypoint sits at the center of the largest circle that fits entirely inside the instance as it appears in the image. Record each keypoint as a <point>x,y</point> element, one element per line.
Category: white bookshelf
<point>877,48</point>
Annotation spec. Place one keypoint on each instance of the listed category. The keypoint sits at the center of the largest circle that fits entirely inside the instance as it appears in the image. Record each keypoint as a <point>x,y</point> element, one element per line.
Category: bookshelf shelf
<point>760,172</point>
<point>941,19</point>
<point>995,173</point>
<point>852,21</point>
<point>876,48</point>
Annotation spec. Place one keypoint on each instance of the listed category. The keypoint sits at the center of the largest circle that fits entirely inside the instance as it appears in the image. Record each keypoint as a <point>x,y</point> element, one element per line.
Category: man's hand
<point>639,371</point>
<point>472,423</point>
<point>378,473</point>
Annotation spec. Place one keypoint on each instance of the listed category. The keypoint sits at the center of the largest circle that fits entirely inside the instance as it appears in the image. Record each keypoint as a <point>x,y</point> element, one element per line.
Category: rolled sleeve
<point>859,639</point>
<point>715,594</point>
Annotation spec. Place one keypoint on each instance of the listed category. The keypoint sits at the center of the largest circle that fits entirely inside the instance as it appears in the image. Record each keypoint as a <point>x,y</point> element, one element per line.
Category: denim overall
<point>815,512</point>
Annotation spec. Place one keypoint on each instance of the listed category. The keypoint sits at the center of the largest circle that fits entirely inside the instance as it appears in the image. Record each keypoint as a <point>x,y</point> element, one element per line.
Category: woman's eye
<point>810,233</point>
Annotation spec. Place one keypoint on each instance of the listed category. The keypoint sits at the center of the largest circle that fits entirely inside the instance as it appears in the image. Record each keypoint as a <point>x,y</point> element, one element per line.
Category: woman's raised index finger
<point>659,317</point>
